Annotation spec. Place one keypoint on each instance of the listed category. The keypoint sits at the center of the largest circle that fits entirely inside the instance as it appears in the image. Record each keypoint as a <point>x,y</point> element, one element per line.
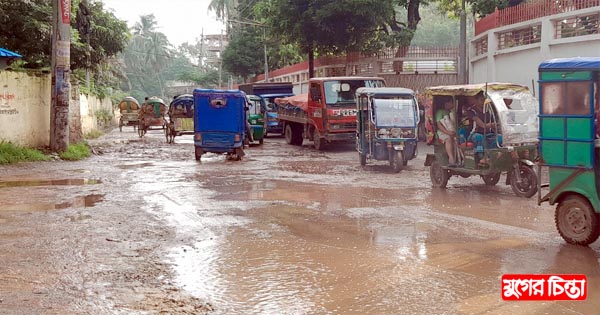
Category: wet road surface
<point>287,230</point>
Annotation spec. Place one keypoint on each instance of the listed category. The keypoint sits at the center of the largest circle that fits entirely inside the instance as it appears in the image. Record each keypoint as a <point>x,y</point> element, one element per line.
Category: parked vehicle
<point>327,113</point>
<point>569,139</point>
<point>267,92</point>
<point>129,108</point>
<point>386,128</point>
<point>256,119</point>
<point>152,115</point>
<point>495,131</point>
<point>219,122</point>
<point>180,117</point>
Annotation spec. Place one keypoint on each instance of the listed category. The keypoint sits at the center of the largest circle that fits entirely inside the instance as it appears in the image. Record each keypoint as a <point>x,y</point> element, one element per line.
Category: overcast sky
<point>181,20</point>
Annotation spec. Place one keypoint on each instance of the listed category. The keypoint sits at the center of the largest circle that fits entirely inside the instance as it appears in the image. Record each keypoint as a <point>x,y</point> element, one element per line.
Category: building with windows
<point>509,44</point>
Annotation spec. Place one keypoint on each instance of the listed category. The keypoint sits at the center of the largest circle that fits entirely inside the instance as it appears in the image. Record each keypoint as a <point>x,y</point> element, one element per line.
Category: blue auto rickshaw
<point>219,122</point>
<point>386,129</point>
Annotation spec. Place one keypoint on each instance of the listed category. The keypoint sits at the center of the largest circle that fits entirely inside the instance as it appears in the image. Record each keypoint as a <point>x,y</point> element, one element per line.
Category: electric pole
<point>463,77</point>
<point>61,85</point>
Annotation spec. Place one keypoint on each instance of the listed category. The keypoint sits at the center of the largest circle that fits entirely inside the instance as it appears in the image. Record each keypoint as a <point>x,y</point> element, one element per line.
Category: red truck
<point>325,114</point>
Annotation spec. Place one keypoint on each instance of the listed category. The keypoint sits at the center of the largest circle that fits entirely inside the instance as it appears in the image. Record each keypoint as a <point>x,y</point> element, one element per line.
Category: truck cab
<point>327,113</point>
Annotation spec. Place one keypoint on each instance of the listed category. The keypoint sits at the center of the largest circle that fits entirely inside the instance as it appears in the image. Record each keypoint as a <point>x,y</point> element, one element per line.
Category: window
<point>552,100</point>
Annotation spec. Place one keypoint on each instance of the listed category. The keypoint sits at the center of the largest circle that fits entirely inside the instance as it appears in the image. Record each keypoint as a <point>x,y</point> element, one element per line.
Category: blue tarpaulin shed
<point>9,54</point>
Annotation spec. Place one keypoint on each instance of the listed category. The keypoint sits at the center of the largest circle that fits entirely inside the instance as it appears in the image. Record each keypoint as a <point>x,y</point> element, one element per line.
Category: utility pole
<point>264,42</point>
<point>61,85</point>
<point>462,48</point>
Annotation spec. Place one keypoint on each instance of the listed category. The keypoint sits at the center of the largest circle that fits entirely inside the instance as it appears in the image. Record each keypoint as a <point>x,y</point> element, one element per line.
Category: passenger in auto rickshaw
<point>484,125</point>
<point>445,119</point>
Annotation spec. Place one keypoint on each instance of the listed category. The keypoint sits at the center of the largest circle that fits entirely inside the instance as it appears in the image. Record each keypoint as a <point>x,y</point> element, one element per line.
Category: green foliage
<point>93,134</point>
<point>146,56</point>
<point>244,55</point>
<point>103,116</point>
<point>27,29</point>
<point>76,152</point>
<point>11,153</point>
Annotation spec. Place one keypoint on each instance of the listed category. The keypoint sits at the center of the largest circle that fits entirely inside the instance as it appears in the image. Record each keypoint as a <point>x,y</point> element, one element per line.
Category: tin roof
<point>8,54</point>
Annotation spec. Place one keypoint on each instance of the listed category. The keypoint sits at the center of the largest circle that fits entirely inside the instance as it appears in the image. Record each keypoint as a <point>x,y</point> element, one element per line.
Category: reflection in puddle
<point>78,202</point>
<point>50,182</point>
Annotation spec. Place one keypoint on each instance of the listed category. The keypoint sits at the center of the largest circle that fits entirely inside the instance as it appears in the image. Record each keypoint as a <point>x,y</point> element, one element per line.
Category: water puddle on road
<point>50,182</point>
<point>77,202</point>
<point>302,248</point>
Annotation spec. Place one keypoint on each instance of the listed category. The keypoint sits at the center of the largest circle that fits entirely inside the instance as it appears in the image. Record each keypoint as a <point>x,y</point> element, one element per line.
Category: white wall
<point>25,104</point>
<point>519,64</point>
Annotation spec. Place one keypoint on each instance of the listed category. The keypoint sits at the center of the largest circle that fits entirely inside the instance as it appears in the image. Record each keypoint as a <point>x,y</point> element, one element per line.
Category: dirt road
<point>142,228</point>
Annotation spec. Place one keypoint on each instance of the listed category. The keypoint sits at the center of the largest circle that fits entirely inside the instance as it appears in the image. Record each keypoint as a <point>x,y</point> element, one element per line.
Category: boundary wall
<point>25,104</point>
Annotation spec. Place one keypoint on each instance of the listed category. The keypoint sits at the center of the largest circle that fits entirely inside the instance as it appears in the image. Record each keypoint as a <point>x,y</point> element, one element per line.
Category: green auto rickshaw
<point>569,139</point>
<point>483,130</point>
<point>256,119</point>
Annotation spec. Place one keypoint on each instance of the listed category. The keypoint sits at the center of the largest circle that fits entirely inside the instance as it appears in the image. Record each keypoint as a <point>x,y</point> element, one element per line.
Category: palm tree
<point>145,26</point>
<point>223,8</point>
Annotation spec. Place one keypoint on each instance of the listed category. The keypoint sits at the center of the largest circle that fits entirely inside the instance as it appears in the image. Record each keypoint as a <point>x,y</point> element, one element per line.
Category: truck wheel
<point>576,221</point>
<point>528,185</point>
<point>319,143</point>
<point>289,133</point>
<point>439,176</point>
<point>397,160</point>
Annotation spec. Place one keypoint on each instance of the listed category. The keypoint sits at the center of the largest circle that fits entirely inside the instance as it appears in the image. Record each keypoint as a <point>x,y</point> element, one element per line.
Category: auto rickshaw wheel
<point>576,221</point>
<point>491,179</point>
<point>198,153</point>
<point>261,141</point>
<point>528,185</point>
<point>439,176</point>
<point>397,160</point>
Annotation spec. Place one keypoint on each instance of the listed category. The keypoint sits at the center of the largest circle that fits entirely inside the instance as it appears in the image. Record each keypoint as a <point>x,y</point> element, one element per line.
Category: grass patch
<point>94,134</point>
<point>76,152</point>
<point>12,153</point>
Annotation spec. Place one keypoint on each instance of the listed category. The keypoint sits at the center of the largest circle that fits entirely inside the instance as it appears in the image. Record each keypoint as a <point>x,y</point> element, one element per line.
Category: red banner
<point>528,287</point>
<point>65,11</point>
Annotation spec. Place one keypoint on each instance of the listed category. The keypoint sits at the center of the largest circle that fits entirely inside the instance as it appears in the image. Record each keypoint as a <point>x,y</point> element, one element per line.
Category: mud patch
<point>51,182</point>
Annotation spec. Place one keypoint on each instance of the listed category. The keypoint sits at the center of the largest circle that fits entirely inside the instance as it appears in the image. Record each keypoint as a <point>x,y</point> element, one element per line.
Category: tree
<point>26,29</point>
<point>326,26</point>
<point>146,56</point>
<point>243,56</point>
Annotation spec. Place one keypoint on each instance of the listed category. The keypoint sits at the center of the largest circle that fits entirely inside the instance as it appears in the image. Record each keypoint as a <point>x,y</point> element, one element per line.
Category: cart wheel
<point>167,135</point>
<point>362,158</point>
<point>491,179</point>
<point>439,176</point>
<point>120,125</point>
<point>397,160</point>
<point>576,221</point>
<point>141,131</point>
<point>528,185</point>
<point>198,153</point>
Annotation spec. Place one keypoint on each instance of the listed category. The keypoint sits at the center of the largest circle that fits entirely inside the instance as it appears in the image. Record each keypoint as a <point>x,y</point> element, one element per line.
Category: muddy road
<point>142,228</point>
